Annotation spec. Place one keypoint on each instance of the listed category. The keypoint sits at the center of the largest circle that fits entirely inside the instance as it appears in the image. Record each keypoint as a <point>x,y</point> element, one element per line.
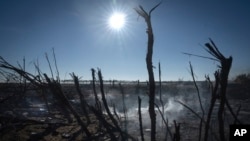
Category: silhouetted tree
<point>147,17</point>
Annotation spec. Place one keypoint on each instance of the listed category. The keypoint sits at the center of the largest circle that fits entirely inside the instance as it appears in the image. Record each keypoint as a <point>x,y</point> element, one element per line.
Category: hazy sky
<point>78,30</point>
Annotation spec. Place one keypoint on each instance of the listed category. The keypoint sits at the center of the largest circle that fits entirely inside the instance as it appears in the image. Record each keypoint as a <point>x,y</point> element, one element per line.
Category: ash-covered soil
<point>25,115</point>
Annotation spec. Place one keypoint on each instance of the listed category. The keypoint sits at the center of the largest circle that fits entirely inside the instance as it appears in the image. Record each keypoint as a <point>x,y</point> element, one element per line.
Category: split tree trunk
<point>149,63</point>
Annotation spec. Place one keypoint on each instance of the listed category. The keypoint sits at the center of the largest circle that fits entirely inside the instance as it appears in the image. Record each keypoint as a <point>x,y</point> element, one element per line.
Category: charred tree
<point>140,118</point>
<point>97,101</point>
<point>147,18</point>
<point>225,66</point>
<point>214,89</point>
<point>84,104</point>
<point>56,89</point>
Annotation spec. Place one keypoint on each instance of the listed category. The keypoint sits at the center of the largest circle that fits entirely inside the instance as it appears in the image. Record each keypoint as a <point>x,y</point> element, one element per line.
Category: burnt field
<point>29,113</point>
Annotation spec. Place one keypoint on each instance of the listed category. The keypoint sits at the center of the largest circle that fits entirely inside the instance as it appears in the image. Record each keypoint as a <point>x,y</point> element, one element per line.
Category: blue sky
<point>78,31</point>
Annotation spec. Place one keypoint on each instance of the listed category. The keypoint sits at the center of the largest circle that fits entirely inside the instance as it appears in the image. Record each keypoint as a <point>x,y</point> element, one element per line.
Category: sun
<point>117,21</point>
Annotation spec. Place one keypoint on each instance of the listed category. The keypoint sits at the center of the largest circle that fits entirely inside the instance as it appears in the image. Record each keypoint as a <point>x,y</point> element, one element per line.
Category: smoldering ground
<point>170,108</point>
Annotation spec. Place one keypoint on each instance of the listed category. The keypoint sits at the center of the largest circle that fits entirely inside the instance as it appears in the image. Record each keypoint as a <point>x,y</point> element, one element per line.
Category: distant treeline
<point>124,82</point>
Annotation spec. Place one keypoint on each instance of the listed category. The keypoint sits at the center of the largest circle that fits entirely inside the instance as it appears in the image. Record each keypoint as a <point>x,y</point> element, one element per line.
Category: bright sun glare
<point>117,21</point>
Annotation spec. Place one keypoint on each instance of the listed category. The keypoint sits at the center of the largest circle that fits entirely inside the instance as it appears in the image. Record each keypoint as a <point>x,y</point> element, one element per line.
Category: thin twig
<point>140,118</point>
<point>189,54</point>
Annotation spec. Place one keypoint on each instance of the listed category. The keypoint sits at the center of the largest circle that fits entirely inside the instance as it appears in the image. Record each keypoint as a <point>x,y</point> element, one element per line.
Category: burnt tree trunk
<point>149,63</point>
<point>225,66</point>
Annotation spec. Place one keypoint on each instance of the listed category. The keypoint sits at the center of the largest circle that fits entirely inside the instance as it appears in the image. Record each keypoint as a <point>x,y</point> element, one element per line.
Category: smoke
<point>172,109</point>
